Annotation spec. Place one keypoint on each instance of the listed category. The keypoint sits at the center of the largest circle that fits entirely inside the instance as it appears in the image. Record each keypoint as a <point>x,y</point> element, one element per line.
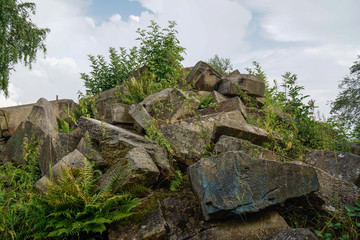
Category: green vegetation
<point>71,208</point>
<point>17,193</point>
<point>20,39</point>
<point>222,65</point>
<point>346,106</point>
<point>159,57</point>
<point>342,227</point>
<point>286,115</point>
<point>176,183</point>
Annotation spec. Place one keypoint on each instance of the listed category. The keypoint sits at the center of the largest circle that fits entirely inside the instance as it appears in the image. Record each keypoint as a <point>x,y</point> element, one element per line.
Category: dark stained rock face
<point>345,166</point>
<point>233,183</point>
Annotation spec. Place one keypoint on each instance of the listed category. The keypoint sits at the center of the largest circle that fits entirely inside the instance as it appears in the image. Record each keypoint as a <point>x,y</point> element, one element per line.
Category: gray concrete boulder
<point>233,183</point>
<point>355,148</point>
<point>12,117</point>
<point>69,141</point>
<point>177,104</point>
<point>191,137</point>
<point>41,124</point>
<point>115,142</point>
<point>99,130</point>
<point>334,192</point>
<point>229,105</point>
<point>152,226</point>
<point>115,149</point>
<point>111,109</point>
<point>240,130</point>
<point>90,151</point>
<point>263,226</point>
<point>41,184</point>
<point>137,167</point>
<point>187,140</point>
<point>203,77</point>
<point>345,166</point>
<point>253,85</point>
<point>141,116</point>
<point>296,234</point>
<point>74,160</point>
<point>218,97</point>
<point>227,143</point>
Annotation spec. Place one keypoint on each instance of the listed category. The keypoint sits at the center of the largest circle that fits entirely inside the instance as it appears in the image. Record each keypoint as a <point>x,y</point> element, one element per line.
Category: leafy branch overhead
<point>20,39</point>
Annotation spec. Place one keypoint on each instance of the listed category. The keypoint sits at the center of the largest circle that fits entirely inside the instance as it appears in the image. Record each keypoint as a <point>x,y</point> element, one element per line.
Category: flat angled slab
<point>233,183</point>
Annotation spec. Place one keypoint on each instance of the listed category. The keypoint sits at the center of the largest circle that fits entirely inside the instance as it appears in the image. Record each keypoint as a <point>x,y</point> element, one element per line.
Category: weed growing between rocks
<point>285,115</point>
<point>72,208</point>
<point>17,193</point>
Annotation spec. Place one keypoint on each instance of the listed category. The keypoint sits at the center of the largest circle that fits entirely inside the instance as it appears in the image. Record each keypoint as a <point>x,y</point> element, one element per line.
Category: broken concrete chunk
<point>345,166</point>
<point>74,160</point>
<point>233,183</point>
<point>90,152</point>
<point>177,104</point>
<point>240,130</point>
<point>218,97</point>
<point>227,143</point>
<point>203,77</point>
<point>137,167</point>
<point>252,84</point>
<point>141,115</point>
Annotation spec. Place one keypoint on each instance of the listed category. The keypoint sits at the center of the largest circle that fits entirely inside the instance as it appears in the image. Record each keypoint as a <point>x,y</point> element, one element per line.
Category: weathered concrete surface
<point>141,116</point>
<point>42,183</point>
<point>227,143</point>
<point>187,140</point>
<point>153,226</point>
<point>90,151</point>
<point>263,226</point>
<point>115,149</point>
<point>296,234</point>
<point>70,141</point>
<point>101,130</point>
<point>74,160</point>
<point>115,142</point>
<point>203,77</point>
<point>335,192</point>
<point>355,148</point>
<point>253,85</point>
<point>345,166</point>
<point>218,97</point>
<point>137,167</point>
<point>176,104</point>
<point>233,183</point>
<point>232,104</point>
<point>241,130</point>
<point>41,124</point>
<point>110,108</point>
<point>11,117</point>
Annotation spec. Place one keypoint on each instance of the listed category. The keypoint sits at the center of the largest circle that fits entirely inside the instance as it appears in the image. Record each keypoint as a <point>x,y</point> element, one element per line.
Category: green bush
<point>159,54</point>
<point>286,115</point>
<point>74,207</point>
<point>222,65</point>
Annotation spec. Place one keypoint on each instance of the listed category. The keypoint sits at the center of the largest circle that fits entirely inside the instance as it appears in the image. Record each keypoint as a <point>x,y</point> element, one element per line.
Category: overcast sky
<point>317,40</point>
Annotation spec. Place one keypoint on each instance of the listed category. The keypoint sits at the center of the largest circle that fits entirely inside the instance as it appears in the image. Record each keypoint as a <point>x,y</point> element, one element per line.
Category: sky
<point>317,40</point>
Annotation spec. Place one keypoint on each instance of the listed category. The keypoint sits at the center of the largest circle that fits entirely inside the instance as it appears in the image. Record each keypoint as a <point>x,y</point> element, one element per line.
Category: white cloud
<point>315,39</point>
<point>11,100</point>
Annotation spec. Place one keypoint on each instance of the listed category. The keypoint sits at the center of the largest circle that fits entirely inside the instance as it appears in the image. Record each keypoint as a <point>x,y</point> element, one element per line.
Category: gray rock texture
<point>233,183</point>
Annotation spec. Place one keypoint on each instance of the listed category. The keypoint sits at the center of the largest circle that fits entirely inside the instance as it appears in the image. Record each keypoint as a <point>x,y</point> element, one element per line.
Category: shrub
<point>159,54</point>
<point>222,65</point>
<point>75,208</point>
